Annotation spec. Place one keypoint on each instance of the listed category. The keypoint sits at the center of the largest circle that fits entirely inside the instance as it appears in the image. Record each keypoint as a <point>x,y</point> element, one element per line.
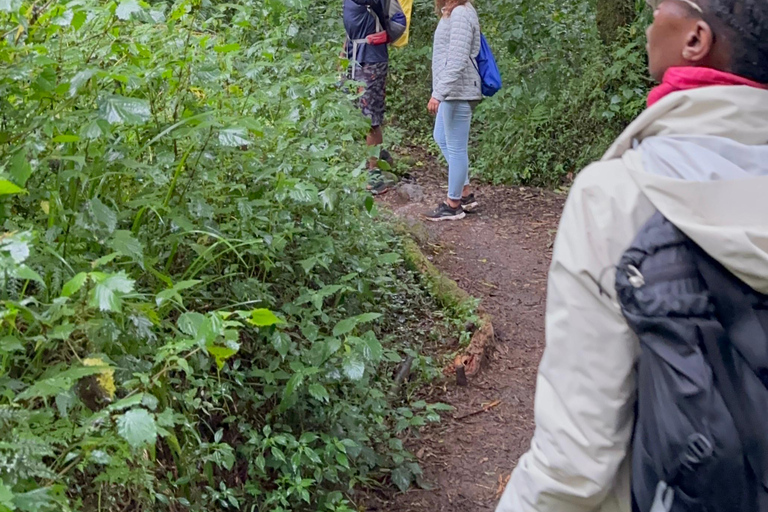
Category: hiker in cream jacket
<point>699,155</point>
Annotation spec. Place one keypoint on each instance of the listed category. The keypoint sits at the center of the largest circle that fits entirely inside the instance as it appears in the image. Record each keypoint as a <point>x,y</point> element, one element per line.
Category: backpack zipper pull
<point>636,279</point>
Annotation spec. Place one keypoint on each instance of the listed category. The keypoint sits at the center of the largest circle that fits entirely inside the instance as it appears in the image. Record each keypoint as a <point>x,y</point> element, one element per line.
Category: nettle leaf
<point>127,8</point>
<point>318,392</point>
<point>103,214</point>
<point>234,137</point>
<point>191,323</point>
<point>282,343</point>
<point>353,367</point>
<point>371,348</point>
<point>328,197</point>
<point>124,243</point>
<point>116,109</point>
<point>138,427</point>
<point>291,386</point>
<point>402,477</point>
<point>37,500</point>
<point>79,80</point>
<point>348,324</point>
<point>20,169</point>
<point>106,295</point>
<point>304,192</point>
<point>263,318</point>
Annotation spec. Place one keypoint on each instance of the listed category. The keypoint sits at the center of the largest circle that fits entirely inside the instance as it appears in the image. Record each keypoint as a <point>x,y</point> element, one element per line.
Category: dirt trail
<point>501,255</point>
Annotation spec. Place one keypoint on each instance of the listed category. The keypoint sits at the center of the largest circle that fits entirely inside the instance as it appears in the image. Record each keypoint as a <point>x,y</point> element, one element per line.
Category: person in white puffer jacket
<point>698,155</point>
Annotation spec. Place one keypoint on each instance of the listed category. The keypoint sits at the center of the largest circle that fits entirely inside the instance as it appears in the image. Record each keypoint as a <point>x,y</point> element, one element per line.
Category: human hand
<point>433,106</point>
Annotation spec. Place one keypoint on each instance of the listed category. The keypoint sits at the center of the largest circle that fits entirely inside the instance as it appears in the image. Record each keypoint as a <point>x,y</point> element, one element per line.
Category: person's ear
<point>699,42</point>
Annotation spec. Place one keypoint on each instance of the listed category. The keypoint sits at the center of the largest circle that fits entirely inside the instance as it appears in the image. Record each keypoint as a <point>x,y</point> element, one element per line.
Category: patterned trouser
<point>373,102</point>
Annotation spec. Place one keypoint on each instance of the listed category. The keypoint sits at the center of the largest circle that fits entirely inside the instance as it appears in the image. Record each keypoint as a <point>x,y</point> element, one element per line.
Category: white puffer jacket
<point>456,45</point>
<point>699,157</point>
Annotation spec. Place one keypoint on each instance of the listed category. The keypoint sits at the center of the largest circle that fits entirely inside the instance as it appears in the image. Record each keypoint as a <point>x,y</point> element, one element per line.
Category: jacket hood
<point>701,159</point>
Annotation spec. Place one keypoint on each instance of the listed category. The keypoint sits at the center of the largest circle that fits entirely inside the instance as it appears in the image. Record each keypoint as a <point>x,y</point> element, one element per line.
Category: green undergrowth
<point>566,94</point>
<point>199,310</point>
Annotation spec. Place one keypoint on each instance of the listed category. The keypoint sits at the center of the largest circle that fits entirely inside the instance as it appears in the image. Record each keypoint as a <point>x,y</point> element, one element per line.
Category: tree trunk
<point>612,15</point>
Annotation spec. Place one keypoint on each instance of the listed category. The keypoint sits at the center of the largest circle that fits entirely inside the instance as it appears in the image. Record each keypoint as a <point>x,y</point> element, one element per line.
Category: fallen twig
<point>479,411</point>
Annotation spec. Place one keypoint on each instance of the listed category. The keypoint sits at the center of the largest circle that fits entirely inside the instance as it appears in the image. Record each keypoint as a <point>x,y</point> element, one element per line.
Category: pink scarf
<point>686,78</point>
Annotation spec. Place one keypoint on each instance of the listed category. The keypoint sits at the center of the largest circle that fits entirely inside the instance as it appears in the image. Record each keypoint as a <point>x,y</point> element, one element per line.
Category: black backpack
<point>701,433</point>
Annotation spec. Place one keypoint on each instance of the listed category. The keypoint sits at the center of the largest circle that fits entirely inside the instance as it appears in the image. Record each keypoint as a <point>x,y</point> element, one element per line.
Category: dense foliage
<point>566,94</point>
<point>198,310</point>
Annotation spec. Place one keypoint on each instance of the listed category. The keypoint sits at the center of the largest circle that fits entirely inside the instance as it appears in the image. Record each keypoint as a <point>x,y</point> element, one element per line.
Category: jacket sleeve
<point>459,50</point>
<point>585,389</point>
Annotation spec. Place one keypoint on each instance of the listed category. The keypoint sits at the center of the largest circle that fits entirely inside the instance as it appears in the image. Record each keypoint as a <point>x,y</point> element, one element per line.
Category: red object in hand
<point>378,38</point>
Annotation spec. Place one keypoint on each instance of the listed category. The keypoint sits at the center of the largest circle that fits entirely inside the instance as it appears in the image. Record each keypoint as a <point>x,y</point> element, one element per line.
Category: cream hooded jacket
<point>699,157</point>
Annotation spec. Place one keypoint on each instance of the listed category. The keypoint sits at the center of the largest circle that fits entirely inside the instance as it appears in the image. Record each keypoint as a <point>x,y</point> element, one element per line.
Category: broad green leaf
<point>221,354</point>
<point>345,326</point>
<point>59,383</point>
<point>234,137</point>
<point>281,342</point>
<point>318,392</point>
<point>138,427</point>
<point>9,188</point>
<point>354,368</point>
<point>191,323</point>
<point>106,295</point>
<point>263,318</point>
<point>37,500</point>
<point>127,403</point>
<point>226,48</point>
<point>328,197</point>
<point>389,258</point>
<point>348,324</point>
<point>23,272</point>
<point>124,243</point>
<point>292,385</point>
<point>104,260</point>
<point>308,438</point>
<point>6,497</point>
<point>117,109</point>
<point>402,477</point>
<point>103,214</point>
<point>372,349</point>
<point>127,8</point>
<point>11,344</point>
<point>66,138</point>
<point>369,204</point>
<point>20,168</point>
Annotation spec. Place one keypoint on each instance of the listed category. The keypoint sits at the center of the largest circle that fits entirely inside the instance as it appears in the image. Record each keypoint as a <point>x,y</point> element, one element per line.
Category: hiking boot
<point>445,212</point>
<point>377,185</point>
<point>469,203</point>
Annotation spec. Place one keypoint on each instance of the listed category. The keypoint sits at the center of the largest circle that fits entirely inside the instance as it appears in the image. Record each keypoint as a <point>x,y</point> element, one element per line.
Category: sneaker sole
<point>458,216</point>
<point>379,192</point>
<point>469,207</point>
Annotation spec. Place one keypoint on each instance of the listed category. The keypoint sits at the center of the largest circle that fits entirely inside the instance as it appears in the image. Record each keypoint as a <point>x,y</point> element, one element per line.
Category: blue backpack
<point>486,67</point>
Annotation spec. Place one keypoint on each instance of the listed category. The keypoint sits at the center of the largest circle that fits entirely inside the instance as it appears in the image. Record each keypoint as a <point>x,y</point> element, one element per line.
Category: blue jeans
<point>452,135</point>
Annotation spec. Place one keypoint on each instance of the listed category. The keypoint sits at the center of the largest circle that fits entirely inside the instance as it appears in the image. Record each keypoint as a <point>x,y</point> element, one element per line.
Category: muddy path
<point>500,255</point>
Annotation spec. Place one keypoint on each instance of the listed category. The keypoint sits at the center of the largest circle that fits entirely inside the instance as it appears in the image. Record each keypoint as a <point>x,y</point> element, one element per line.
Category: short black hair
<point>746,24</point>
